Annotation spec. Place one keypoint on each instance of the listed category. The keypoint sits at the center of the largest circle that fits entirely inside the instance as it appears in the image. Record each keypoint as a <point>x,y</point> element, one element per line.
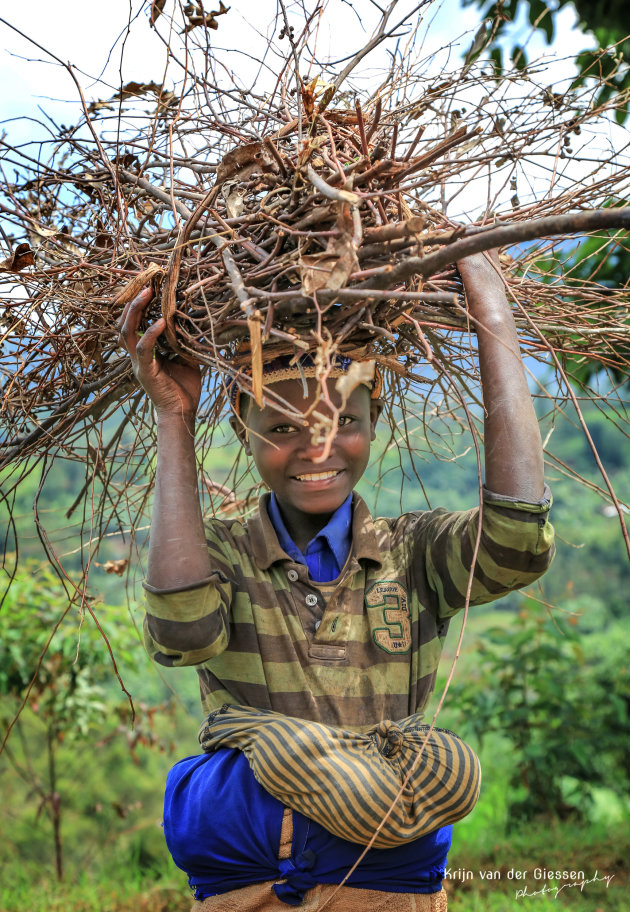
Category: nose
<point>316,439</point>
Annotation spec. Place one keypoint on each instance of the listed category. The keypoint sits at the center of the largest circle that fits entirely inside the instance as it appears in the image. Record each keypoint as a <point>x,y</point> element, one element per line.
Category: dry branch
<point>300,220</point>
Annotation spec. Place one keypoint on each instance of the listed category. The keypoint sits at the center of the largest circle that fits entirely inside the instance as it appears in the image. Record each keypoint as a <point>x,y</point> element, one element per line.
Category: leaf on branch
<point>21,257</point>
<point>164,96</point>
<point>359,372</point>
<point>95,106</point>
<point>308,97</point>
<point>332,268</point>
<point>157,8</point>
<point>233,201</point>
<point>103,238</point>
<point>42,231</point>
<point>115,566</point>
<point>479,43</point>
<point>241,162</point>
<point>197,16</point>
<point>135,89</point>
<point>316,271</point>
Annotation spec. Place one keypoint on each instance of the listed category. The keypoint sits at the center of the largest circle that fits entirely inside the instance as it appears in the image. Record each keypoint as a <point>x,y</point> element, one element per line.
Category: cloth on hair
<point>287,367</point>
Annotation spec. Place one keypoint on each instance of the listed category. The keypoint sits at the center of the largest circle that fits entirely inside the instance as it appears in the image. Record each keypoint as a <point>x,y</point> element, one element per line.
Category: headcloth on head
<point>287,367</point>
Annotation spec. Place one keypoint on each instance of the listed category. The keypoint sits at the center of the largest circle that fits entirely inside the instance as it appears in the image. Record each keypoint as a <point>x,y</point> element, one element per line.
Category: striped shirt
<point>363,648</point>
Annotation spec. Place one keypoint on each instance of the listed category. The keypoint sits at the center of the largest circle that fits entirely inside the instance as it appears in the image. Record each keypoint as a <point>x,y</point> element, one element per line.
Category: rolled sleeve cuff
<point>186,626</point>
<point>514,503</point>
<point>188,587</point>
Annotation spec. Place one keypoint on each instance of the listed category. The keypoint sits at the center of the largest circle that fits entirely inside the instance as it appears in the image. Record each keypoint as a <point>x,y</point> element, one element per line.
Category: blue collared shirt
<point>326,554</point>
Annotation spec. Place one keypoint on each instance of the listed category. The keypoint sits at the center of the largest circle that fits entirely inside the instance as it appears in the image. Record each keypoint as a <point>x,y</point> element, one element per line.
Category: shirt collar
<point>337,531</point>
<point>267,549</point>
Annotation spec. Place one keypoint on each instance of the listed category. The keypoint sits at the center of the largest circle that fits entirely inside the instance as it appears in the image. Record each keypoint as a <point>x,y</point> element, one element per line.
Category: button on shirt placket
<point>312,601</point>
<point>297,574</point>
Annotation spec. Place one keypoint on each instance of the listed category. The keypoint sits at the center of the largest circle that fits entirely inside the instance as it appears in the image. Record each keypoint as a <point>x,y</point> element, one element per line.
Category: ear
<point>242,432</point>
<point>376,407</point>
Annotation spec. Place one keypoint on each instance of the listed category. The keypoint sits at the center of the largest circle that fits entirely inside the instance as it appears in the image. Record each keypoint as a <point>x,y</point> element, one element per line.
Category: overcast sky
<point>94,37</point>
<point>110,44</point>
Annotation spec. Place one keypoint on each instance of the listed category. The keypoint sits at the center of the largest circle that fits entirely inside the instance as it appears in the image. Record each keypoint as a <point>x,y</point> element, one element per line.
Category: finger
<point>146,344</point>
<point>131,317</point>
<point>138,303</point>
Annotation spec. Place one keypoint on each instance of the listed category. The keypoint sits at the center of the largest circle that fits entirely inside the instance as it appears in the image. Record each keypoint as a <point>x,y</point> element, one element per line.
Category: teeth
<point>316,476</point>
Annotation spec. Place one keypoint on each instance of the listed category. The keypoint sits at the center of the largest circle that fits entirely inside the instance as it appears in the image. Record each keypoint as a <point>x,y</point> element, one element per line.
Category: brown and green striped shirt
<point>360,649</point>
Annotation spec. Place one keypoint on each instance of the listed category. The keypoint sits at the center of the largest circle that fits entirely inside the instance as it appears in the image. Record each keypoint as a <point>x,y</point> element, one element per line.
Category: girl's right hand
<point>173,386</point>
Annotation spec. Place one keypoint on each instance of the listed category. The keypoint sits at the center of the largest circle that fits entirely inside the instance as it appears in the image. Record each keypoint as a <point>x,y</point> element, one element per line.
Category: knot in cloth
<point>298,880</point>
<point>389,738</point>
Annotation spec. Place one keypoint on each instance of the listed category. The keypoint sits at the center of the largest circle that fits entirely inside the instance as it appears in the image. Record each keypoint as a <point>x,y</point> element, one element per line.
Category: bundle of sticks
<point>297,227</point>
<point>287,246</point>
<point>301,216</point>
<point>314,238</point>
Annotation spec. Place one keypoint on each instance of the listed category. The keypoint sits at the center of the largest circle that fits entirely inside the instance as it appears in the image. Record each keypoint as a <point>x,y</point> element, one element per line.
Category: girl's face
<point>286,455</point>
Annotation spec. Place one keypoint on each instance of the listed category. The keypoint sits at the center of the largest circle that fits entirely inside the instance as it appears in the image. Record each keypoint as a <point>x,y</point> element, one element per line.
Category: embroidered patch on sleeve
<point>391,597</point>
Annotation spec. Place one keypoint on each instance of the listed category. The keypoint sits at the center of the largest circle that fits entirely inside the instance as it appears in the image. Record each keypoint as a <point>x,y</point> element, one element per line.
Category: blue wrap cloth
<point>223,829</point>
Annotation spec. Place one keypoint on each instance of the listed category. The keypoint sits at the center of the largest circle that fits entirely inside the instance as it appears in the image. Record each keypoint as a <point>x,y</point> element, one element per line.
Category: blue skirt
<point>223,829</point>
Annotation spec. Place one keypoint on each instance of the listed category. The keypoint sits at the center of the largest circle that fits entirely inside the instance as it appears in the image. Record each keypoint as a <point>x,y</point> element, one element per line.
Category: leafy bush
<point>71,737</point>
<point>566,714</point>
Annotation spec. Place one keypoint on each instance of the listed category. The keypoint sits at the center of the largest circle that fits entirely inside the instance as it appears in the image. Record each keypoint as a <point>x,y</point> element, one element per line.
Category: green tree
<point>596,260</point>
<point>607,20</point>
<point>56,686</point>
<point>566,715</point>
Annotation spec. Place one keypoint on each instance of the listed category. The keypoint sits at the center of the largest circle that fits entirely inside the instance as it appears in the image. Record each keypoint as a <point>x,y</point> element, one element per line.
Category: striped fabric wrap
<point>349,782</point>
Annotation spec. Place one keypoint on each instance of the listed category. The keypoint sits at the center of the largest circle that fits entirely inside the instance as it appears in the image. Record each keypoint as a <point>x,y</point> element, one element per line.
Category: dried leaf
<point>241,162</point>
<point>115,566</point>
<point>315,271</point>
<point>128,160</point>
<point>21,257</point>
<point>234,203</point>
<point>103,238</point>
<point>157,8</point>
<point>95,106</point>
<point>153,275</point>
<point>42,231</point>
<point>359,372</point>
<point>135,89</point>
<point>197,16</point>
<point>331,269</point>
<point>308,97</point>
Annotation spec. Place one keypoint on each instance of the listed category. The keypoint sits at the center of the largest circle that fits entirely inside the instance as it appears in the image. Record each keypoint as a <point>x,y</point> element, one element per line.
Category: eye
<point>344,420</point>
<point>284,429</point>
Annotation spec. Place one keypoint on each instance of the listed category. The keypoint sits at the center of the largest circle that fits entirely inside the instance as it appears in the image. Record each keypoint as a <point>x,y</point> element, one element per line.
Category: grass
<point>126,891</point>
<point>598,847</point>
<point>596,854</point>
<point>593,854</point>
<point>599,850</point>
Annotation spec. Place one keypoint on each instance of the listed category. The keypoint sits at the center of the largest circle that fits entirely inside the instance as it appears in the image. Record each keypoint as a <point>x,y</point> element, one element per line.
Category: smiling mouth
<point>316,476</point>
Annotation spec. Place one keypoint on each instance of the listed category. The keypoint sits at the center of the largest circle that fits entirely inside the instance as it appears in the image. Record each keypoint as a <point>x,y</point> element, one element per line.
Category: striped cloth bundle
<point>349,782</point>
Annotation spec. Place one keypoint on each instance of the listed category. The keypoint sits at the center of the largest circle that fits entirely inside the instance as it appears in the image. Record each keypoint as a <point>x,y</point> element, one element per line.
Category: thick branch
<point>516,233</point>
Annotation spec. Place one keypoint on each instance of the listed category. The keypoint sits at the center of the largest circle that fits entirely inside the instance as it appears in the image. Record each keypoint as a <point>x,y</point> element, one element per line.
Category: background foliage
<point>541,687</point>
<point>607,21</point>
